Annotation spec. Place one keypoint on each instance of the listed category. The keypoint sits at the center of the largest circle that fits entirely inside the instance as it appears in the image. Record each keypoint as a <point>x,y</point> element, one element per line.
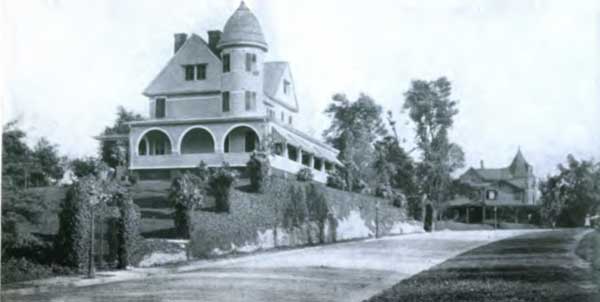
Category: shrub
<point>336,180</point>
<point>128,236</point>
<point>23,269</point>
<point>318,211</point>
<point>186,194</point>
<point>73,240</point>
<point>220,184</point>
<point>305,174</point>
<point>258,170</point>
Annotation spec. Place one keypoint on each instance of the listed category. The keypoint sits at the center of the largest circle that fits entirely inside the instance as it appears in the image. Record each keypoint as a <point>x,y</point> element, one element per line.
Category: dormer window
<point>226,62</point>
<point>250,62</point>
<point>195,72</point>
<point>286,87</point>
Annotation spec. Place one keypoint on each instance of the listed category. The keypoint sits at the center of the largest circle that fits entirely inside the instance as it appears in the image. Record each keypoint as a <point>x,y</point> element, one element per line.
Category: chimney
<point>481,164</point>
<point>179,40</point>
<point>214,36</point>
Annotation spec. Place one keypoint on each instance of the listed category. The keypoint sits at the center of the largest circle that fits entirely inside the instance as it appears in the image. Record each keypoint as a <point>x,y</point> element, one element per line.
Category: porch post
<point>483,213</point>
<point>468,220</point>
<point>285,151</point>
<point>495,217</point>
<point>311,161</point>
<point>516,215</point>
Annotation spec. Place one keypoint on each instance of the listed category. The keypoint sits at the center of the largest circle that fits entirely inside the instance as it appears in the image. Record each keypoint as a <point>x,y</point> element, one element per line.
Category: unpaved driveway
<point>350,271</point>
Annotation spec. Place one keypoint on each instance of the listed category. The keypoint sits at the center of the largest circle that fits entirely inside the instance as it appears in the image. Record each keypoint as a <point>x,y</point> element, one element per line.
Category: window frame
<point>226,62</point>
<point>189,72</point>
<point>225,101</point>
<point>201,67</point>
<point>163,105</point>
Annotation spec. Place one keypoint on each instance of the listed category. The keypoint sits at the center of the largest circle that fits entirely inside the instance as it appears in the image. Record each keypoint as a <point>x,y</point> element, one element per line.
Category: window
<point>226,63</point>
<point>271,113</point>
<point>201,72</point>
<point>225,103</point>
<point>286,87</point>
<point>290,119</point>
<point>491,194</point>
<point>250,62</point>
<point>250,100</point>
<point>282,117</point>
<point>159,110</point>
<point>189,72</point>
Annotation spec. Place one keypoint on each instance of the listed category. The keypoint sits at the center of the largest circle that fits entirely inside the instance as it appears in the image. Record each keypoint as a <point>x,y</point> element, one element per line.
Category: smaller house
<point>498,194</point>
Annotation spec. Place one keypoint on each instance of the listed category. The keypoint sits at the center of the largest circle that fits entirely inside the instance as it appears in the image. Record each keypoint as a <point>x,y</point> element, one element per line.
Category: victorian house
<point>217,101</point>
<point>509,192</point>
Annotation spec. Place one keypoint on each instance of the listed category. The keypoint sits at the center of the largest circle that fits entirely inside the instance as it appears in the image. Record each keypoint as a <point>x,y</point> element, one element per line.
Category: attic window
<point>286,86</point>
<point>201,72</point>
<point>195,72</point>
<point>189,72</point>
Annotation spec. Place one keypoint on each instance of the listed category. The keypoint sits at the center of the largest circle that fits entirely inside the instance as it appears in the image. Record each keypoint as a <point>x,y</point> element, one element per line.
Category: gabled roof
<point>273,73</point>
<point>171,78</point>
<point>494,174</point>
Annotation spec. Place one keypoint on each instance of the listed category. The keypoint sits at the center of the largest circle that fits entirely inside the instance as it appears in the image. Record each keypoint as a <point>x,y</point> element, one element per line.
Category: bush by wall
<point>220,183</point>
<point>272,219</point>
<point>258,168</point>
<point>305,174</point>
<point>186,194</point>
<point>128,235</point>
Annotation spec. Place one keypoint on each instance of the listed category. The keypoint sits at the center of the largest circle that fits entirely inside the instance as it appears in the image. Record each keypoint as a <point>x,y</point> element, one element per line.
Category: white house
<point>216,101</point>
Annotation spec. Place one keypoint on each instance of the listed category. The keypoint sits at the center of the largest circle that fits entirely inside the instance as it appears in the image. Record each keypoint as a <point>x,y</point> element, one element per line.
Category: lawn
<point>150,196</point>
<point>538,267</point>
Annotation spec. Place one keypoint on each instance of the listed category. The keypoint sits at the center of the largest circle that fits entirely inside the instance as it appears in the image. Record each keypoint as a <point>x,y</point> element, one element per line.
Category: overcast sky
<point>526,73</point>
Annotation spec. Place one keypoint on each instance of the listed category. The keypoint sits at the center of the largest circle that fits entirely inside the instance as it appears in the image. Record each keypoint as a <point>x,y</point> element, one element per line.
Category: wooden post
<point>483,214</point>
<point>468,220</point>
<point>495,217</point>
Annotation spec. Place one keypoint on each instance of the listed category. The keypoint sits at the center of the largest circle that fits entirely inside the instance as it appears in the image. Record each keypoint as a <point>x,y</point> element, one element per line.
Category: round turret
<point>242,29</point>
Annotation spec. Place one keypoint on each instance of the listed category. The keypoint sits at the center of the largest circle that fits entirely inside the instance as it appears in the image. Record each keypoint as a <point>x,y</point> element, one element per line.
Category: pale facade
<point>217,101</point>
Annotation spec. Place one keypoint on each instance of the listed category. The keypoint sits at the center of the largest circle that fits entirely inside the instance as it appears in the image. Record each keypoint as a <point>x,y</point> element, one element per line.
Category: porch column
<point>495,217</point>
<point>468,220</point>
<point>516,215</point>
<point>311,161</point>
<point>299,155</point>
<point>483,213</point>
<point>285,151</point>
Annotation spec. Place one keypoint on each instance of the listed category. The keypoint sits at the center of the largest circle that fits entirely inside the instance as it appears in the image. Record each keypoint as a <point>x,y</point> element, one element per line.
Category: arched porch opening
<point>197,140</point>
<point>154,142</point>
<point>241,139</point>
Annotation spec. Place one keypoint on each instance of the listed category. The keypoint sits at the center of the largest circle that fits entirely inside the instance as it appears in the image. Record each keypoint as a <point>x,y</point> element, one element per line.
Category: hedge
<point>273,216</point>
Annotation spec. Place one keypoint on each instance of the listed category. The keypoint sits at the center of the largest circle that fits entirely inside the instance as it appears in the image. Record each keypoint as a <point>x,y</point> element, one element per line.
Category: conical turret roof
<point>242,28</point>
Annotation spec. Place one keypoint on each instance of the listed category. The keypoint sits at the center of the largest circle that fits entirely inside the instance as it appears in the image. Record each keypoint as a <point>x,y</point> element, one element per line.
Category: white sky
<point>526,72</point>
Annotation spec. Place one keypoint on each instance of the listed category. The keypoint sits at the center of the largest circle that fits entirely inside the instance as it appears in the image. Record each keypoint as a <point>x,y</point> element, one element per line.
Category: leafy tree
<point>116,153</point>
<point>295,213</point>
<point>48,160</point>
<point>432,111</point>
<point>86,166</point>
<point>186,194</point>
<point>571,194</point>
<point>336,180</point>
<point>354,128</point>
